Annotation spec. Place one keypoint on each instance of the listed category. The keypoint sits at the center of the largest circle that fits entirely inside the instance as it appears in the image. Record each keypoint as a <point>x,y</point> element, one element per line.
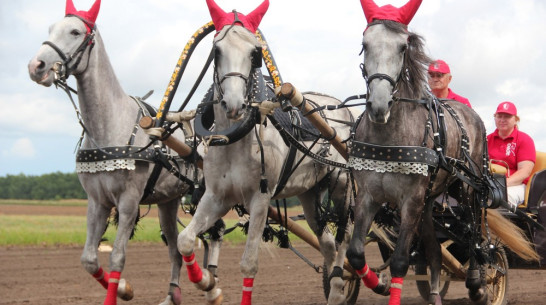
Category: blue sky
<point>495,48</point>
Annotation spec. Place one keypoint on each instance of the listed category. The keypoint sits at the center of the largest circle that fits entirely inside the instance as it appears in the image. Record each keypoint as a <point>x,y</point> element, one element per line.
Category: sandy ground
<point>53,275</point>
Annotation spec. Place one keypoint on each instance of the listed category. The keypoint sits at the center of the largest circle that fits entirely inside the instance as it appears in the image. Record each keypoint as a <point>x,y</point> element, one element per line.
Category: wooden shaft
<point>293,227</point>
<point>452,264</point>
<point>289,92</point>
<point>183,149</point>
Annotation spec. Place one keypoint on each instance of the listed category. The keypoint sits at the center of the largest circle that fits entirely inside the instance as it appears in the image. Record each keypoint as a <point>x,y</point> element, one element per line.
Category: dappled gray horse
<point>110,170</point>
<point>394,67</point>
<point>246,172</point>
<point>408,149</point>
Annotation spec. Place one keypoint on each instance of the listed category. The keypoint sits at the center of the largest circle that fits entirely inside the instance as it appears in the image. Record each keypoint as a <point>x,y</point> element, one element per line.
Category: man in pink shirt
<point>508,146</point>
<point>439,77</point>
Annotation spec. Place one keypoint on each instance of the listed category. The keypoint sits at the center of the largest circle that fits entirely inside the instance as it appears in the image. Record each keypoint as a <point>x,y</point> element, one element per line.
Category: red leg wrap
<point>396,290</point>
<point>102,277</point>
<point>112,294</point>
<point>194,272</point>
<point>247,291</point>
<point>368,277</point>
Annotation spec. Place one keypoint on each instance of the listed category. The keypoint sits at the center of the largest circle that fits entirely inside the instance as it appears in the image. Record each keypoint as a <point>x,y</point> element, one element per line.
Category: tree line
<point>57,186</point>
<point>54,186</point>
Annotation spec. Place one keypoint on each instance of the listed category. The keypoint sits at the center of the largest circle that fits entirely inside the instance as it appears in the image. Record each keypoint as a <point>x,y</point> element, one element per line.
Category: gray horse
<point>110,173</point>
<point>246,172</point>
<point>402,155</point>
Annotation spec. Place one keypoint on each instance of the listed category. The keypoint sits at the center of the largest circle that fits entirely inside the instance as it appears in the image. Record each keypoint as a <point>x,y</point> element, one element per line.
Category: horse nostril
<point>390,103</point>
<point>223,104</point>
<point>41,65</point>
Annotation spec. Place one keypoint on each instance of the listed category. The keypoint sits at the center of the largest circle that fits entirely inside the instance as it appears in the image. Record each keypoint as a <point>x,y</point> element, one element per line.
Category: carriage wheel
<point>496,283</point>
<point>424,286</point>
<point>351,286</point>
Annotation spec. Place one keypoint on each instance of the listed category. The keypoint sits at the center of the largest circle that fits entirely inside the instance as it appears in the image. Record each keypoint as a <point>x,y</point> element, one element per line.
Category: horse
<point>119,177</point>
<point>401,154</point>
<point>245,171</point>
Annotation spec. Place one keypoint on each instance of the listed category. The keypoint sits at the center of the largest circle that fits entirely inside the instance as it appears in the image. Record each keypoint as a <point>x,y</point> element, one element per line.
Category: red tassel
<point>112,294</point>
<point>194,271</point>
<point>248,283</point>
<point>396,290</point>
<point>368,277</point>
<point>102,277</point>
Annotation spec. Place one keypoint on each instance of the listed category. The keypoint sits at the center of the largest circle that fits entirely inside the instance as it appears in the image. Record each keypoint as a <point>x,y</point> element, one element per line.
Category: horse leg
<point>214,255</point>
<point>411,211</point>
<point>433,253</point>
<point>97,217</point>
<point>167,219</point>
<point>128,212</point>
<point>207,213</point>
<point>257,209</point>
<point>337,284</point>
<point>365,210</point>
<point>325,238</point>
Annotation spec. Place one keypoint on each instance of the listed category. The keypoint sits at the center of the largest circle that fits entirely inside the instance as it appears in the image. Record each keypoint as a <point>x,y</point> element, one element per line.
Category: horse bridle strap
<point>88,42</point>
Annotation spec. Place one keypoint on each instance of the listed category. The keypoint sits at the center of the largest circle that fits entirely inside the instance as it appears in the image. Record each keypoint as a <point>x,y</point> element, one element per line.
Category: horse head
<point>237,55</point>
<point>390,52</point>
<point>69,44</point>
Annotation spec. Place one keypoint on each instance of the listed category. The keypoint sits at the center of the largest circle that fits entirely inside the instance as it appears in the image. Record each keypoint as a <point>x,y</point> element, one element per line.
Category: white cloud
<point>21,149</point>
<point>495,49</point>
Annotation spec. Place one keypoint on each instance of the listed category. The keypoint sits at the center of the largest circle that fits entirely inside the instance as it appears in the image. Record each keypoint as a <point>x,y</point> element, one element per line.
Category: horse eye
<point>75,32</point>
<point>403,48</point>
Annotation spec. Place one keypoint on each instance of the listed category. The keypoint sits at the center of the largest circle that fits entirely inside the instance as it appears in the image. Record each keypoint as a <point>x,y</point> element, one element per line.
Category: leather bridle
<point>62,68</point>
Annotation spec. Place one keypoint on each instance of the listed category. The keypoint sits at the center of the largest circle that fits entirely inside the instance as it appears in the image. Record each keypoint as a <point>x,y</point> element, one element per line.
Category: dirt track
<point>48,276</point>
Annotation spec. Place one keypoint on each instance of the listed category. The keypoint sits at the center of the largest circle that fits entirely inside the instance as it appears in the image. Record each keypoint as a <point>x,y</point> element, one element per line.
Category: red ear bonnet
<point>250,21</point>
<point>388,12</point>
<point>89,17</point>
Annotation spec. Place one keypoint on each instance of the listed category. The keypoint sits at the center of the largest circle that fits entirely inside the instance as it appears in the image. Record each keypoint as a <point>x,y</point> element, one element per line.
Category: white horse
<point>237,173</point>
<point>110,117</point>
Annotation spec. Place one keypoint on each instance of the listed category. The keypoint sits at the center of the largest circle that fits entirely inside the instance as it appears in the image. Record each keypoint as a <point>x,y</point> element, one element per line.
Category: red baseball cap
<point>439,66</point>
<point>507,107</point>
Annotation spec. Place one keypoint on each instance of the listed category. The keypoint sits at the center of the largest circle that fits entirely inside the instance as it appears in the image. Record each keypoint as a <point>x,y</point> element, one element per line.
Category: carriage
<point>458,244</point>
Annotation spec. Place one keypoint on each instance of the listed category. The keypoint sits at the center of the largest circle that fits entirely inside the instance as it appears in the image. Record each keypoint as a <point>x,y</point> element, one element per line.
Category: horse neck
<point>107,111</point>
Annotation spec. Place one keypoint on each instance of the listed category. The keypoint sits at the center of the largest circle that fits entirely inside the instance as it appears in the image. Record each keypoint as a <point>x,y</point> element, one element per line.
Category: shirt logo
<point>511,149</point>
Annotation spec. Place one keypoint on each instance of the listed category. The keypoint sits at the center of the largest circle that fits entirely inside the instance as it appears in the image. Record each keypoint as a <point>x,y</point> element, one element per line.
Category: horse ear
<point>70,8</point>
<point>255,17</point>
<point>408,11</point>
<point>370,9</point>
<point>94,11</point>
<point>216,13</point>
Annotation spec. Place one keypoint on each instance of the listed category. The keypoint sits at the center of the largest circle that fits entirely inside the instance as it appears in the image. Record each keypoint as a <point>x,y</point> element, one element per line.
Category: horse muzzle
<point>40,73</point>
<point>377,114</point>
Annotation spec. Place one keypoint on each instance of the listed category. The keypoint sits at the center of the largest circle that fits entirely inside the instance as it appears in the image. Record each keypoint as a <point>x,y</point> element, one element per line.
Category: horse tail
<point>511,235</point>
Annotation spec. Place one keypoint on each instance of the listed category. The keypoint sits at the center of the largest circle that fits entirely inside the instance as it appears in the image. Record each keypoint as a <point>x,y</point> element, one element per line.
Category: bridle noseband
<point>62,69</point>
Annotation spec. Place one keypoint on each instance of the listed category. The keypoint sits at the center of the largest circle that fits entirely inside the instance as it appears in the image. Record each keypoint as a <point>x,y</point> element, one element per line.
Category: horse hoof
<point>125,291</point>
<point>336,296</point>
<point>434,299</point>
<point>208,281</point>
<point>214,297</point>
<point>384,286</point>
<point>478,296</point>
<point>176,296</point>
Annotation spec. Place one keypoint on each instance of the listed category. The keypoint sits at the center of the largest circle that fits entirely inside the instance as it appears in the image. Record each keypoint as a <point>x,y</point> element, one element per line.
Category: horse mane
<point>414,83</point>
